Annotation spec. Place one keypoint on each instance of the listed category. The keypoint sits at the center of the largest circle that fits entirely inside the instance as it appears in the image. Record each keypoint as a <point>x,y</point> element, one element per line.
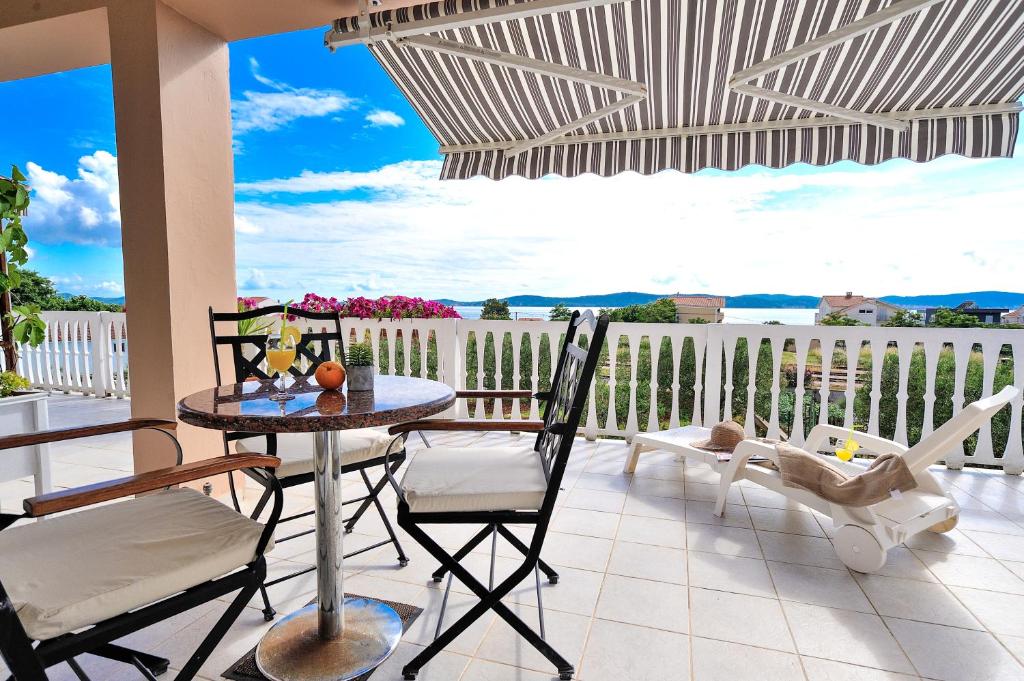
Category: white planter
<point>25,413</point>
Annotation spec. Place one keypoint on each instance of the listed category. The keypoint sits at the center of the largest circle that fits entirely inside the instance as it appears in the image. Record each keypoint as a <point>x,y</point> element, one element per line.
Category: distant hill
<point>981,299</point>
<point>111,301</point>
<point>621,299</point>
<point>760,300</point>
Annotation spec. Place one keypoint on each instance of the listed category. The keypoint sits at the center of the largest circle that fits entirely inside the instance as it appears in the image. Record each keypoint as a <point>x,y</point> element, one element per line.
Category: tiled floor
<point>655,587</point>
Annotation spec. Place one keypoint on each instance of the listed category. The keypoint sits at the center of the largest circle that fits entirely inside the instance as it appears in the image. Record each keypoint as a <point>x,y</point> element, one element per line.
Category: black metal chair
<point>73,584</point>
<point>498,486</point>
<point>363,448</point>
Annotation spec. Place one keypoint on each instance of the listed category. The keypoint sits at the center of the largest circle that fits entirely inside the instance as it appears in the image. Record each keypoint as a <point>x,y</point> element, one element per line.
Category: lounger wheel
<point>859,550</point>
<point>946,525</point>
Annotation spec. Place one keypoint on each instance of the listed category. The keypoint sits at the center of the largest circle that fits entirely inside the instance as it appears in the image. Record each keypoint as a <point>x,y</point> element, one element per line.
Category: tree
<point>946,318</point>
<point>560,313</point>
<point>662,311</point>
<point>18,323</point>
<point>772,322</point>
<point>699,320</point>
<point>905,318</point>
<point>495,309</point>
<point>79,303</point>
<point>838,319</point>
<point>33,289</point>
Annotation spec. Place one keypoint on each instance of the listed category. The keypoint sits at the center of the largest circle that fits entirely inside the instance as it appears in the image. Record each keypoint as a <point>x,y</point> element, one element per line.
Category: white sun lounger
<point>865,534</point>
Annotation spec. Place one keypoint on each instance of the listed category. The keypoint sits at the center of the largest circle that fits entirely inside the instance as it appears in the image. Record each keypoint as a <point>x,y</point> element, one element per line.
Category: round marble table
<point>335,638</point>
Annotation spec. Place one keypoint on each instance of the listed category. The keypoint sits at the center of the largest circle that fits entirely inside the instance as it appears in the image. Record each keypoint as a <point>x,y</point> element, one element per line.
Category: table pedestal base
<point>293,651</point>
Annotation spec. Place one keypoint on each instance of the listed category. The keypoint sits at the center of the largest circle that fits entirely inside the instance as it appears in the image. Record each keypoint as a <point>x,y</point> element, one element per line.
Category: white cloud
<point>258,280</point>
<point>244,225</point>
<point>83,210</point>
<point>76,284</point>
<point>900,228</point>
<point>272,110</point>
<point>380,118</point>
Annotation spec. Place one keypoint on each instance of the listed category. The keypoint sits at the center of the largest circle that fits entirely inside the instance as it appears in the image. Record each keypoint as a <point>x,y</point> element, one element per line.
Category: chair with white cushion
<point>362,448</point>
<point>76,582</point>
<point>495,487</point>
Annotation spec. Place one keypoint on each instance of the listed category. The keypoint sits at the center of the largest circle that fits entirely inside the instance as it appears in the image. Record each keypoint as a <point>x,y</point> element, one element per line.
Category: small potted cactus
<point>359,367</point>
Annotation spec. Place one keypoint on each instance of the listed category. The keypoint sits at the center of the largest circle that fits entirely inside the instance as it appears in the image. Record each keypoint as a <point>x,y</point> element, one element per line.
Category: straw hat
<point>724,437</point>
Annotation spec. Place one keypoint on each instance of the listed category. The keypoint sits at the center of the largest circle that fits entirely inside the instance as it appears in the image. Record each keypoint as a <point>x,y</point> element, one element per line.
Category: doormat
<point>245,669</point>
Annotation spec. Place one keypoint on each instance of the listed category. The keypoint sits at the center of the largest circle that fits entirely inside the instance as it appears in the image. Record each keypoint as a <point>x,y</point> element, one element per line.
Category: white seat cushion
<point>74,570</point>
<point>296,450</point>
<point>445,479</point>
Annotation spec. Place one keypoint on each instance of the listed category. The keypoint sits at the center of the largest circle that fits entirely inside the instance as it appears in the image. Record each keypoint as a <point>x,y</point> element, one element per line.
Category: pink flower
<point>385,307</point>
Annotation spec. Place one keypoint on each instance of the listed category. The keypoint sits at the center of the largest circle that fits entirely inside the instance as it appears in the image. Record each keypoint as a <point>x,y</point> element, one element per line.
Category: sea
<point>733,315</point>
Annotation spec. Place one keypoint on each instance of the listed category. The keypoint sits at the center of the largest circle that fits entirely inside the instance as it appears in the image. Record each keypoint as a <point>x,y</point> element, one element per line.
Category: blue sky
<point>336,175</point>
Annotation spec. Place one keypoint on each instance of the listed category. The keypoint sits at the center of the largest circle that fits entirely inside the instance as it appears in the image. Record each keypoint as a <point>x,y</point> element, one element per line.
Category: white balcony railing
<point>897,382</point>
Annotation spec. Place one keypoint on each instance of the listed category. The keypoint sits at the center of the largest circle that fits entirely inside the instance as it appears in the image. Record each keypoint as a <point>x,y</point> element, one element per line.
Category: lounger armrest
<point>61,434</point>
<point>86,495</point>
<point>494,394</point>
<point>872,443</point>
<point>467,425</point>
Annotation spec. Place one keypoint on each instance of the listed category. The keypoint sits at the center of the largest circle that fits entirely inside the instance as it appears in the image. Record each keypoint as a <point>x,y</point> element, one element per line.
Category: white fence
<point>898,382</point>
<point>84,352</point>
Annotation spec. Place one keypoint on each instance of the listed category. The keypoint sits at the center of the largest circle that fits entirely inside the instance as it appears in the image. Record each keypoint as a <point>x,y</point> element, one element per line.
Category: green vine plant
<point>18,323</point>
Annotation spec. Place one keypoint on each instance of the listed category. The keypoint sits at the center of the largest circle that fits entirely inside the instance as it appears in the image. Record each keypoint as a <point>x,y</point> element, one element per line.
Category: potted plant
<point>22,410</point>
<point>359,367</point>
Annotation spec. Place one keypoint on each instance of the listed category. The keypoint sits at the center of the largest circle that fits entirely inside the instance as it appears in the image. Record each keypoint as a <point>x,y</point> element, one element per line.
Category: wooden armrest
<point>496,394</point>
<point>86,495</point>
<point>61,434</point>
<point>466,425</point>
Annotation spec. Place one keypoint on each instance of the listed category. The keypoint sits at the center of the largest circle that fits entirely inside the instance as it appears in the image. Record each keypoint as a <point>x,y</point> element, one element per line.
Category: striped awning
<point>693,84</point>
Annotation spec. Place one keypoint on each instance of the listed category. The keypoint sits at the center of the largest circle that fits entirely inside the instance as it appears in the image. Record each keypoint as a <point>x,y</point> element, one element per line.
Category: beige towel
<point>887,473</point>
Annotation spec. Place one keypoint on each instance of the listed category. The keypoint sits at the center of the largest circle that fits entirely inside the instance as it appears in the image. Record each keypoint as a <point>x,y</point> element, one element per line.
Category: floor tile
<point>656,487</point>
<point>730,573</point>
<point>645,603</point>
<point>655,531</point>
<point>484,670</point>
<point>818,586</point>
<point>566,632</point>
<point>902,562</point>
<point>595,500</point>
<point>577,591</point>
<point>721,615</point>
<point>913,600</point>
<point>730,541</point>
<point>444,667</point>
<point>665,508</point>
<point>778,520</point>
<point>648,562</point>
<point>587,523</point>
<point>421,631</point>
<point>603,483</point>
<point>721,661</point>
<point>845,636</point>
<point>954,541</point>
<point>830,670</point>
<point>1001,613</point>
<point>702,512</point>
<point>952,654</point>
<point>972,571</point>
<point>794,548</point>
<point>1001,546</point>
<point>612,653</point>
<point>570,550</point>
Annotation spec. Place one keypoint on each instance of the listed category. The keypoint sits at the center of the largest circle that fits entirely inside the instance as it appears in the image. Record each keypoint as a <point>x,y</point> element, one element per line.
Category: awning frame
<point>372,28</point>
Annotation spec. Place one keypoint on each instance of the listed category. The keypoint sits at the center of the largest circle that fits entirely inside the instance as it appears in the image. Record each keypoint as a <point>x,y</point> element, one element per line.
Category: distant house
<point>984,315</point>
<point>708,308</point>
<point>870,311</point>
<point>1014,316</point>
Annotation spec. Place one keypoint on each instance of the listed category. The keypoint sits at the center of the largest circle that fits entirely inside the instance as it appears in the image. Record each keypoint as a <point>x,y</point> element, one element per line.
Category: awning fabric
<point>959,53</point>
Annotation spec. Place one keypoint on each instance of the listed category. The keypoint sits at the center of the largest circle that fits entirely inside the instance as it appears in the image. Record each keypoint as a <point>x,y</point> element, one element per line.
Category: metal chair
<point>79,581</point>
<point>498,486</point>
<point>362,448</point>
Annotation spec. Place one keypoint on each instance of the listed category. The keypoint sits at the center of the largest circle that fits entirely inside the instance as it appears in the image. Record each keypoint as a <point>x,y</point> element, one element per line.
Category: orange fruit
<point>329,375</point>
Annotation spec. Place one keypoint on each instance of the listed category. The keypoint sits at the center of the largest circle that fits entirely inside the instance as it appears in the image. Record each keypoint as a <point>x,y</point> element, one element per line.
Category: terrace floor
<point>654,586</point>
